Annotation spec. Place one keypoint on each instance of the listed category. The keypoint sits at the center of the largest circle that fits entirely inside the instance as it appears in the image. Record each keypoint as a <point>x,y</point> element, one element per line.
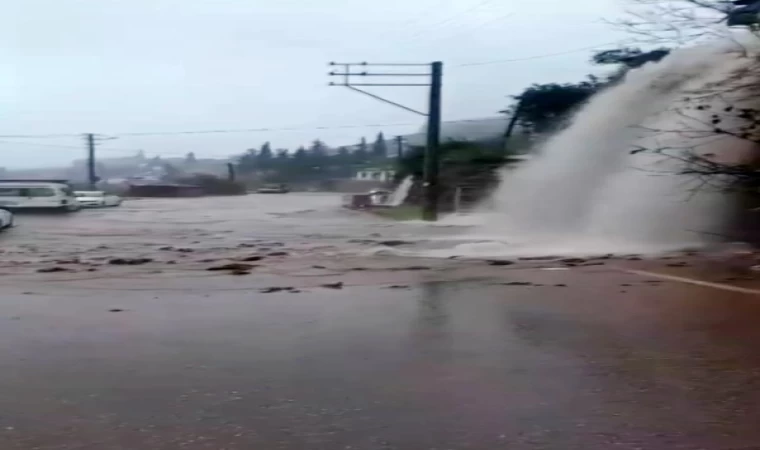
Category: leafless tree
<point>706,126</point>
<point>677,22</point>
<point>719,114</point>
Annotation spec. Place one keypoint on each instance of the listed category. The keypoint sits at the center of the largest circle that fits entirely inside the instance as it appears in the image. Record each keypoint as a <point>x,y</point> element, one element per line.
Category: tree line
<point>315,162</point>
<point>545,108</point>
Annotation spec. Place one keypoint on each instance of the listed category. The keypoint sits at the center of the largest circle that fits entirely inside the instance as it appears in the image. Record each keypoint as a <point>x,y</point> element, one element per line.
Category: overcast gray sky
<point>126,66</point>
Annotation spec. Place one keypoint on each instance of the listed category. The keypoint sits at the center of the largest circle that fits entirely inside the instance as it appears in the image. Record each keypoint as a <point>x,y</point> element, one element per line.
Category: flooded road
<point>323,346</point>
<point>206,227</point>
<point>203,223</point>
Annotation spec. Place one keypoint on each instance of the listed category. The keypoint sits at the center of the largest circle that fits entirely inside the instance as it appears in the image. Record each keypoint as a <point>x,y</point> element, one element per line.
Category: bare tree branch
<point>676,21</point>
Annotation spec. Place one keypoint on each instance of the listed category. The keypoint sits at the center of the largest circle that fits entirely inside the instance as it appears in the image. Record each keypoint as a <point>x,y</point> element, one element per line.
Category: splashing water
<point>402,191</point>
<point>587,192</point>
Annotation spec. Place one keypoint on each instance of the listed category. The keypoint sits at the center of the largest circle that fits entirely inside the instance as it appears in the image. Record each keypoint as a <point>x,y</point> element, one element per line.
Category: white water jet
<point>587,192</point>
<point>401,192</point>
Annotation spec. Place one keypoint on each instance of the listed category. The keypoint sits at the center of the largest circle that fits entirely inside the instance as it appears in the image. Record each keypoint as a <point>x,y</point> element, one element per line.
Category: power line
<point>423,14</point>
<point>459,31</point>
<point>239,130</point>
<point>217,131</point>
<point>529,58</point>
<point>41,136</point>
<point>78,147</point>
<point>253,130</point>
<point>35,144</point>
<point>98,137</point>
<point>442,23</point>
<point>259,130</point>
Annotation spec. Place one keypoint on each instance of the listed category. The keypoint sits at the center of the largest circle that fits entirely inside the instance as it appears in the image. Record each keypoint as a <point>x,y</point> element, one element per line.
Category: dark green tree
<point>312,164</point>
<point>265,156</point>
<point>343,156</point>
<point>629,57</point>
<point>190,158</point>
<point>380,147</point>
<point>301,156</point>
<point>360,156</point>
<point>318,160</point>
<point>626,59</point>
<point>247,161</point>
<point>318,148</point>
<point>543,107</point>
<point>281,159</point>
<point>343,163</point>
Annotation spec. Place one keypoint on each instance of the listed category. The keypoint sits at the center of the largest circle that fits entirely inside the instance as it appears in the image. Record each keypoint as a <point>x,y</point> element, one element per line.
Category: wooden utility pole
<point>230,171</point>
<point>92,178</point>
<point>399,147</point>
<point>432,150</point>
<point>430,181</point>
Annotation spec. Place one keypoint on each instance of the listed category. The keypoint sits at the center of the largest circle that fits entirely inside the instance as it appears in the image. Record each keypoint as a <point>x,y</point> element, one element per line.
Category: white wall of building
<point>375,175</point>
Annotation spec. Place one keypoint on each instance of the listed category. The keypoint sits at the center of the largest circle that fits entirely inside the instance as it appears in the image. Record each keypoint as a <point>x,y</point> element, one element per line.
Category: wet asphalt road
<point>453,357</point>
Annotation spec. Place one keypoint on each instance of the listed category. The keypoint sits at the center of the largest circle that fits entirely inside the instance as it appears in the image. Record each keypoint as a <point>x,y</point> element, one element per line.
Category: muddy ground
<point>114,334</point>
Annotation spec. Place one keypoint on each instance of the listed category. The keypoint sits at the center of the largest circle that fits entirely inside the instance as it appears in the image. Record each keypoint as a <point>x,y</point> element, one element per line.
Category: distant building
<point>382,175</point>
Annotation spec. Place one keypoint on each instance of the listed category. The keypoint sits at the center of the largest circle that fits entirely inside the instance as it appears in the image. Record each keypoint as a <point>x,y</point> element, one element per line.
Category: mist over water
<point>587,192</point>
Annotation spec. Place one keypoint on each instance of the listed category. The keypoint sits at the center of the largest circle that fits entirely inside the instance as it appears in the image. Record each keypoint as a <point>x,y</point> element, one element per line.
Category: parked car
<point>97,199</point>
<point>273,189</point>
<point>6,219</point>
<point>37,195</point>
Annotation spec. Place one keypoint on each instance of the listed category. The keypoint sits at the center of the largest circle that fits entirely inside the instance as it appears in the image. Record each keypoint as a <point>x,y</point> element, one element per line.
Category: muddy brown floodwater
<point>202,224</point>
<point>318,344</point>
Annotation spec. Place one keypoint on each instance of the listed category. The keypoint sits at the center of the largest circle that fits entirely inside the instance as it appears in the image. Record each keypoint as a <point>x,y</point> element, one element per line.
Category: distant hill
<point>465,130</point>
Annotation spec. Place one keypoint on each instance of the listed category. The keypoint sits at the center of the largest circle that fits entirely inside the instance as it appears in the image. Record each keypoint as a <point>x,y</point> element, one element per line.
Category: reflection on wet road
<point>593,358</point>
<point>443,365</point>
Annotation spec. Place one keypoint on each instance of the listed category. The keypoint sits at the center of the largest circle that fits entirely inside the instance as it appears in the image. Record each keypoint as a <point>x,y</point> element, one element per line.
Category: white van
<point>29,195</point>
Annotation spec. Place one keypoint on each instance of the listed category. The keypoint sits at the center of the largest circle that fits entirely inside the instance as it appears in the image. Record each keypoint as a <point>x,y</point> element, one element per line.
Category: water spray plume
<point>401,192</point>
<point>614,181</point>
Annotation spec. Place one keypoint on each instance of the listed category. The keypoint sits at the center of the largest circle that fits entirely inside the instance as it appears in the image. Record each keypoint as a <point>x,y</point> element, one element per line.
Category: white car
<point>24,195</point>
<point>97,199</point>
<point>6,219</point>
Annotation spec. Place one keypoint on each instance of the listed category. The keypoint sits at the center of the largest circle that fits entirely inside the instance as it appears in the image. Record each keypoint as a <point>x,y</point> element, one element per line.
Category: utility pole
<point>230,171</point>
<point>92,178</point>
<point>399,147</point>
<point>432,150</point>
